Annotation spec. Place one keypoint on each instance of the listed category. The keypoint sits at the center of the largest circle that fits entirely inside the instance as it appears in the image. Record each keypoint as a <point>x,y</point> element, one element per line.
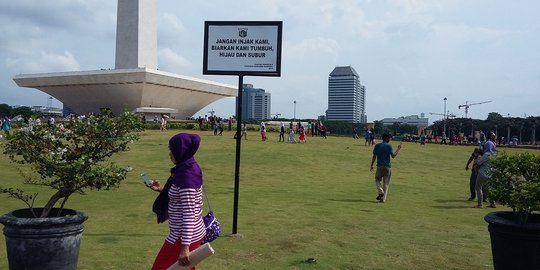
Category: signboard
<point>242,48</point>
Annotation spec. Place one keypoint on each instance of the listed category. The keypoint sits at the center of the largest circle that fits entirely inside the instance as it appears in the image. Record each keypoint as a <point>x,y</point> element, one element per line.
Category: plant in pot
<point>69,158</point>
<point>515,235</point>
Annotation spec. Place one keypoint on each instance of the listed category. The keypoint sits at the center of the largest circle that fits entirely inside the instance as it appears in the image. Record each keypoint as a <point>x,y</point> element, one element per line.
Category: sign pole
<point>238,143</point>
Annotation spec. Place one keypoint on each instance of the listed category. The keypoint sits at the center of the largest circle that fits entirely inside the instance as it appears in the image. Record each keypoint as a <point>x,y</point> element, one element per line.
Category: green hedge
<point>344,128</point>
<point>188,126</point>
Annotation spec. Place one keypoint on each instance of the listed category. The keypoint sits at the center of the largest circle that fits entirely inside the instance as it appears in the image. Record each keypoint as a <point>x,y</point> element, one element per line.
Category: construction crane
<point>448,115</point>
<point>467,105</point>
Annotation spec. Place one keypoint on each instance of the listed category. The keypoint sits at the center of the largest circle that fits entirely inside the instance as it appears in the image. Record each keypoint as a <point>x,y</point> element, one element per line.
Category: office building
<point>346,96</point>
<point>255,103</point>
<point>412,120</point>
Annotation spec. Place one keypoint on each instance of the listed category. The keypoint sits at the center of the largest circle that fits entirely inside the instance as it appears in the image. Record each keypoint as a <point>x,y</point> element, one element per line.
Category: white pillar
<point>136,34</point>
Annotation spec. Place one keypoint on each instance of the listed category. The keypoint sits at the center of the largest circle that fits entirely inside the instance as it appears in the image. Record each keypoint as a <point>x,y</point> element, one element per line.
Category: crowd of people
<point>456,139</point>
<point>215,123</point>
<point>303,131</point>
<point>291,129</point>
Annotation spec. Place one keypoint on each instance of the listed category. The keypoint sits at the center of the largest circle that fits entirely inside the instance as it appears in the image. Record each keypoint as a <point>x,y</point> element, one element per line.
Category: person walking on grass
<point>220,127</point>
<point>367,136</point>
<point>163,124</point>
<point>291,139</point>
<point>301,135</point>
<point>6,126</point>
<point>482,179</point>
<point>474,172</point>
<point>382,153</point>
<point>180,202</point>
<point>282,132</point>
<point>243,132</point>
<point>423,137</point>
<point>263,131</point>
<point>322,130</point>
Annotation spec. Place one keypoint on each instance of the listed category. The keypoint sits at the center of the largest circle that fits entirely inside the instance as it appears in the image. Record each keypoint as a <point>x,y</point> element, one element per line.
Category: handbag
<point>211,224</point>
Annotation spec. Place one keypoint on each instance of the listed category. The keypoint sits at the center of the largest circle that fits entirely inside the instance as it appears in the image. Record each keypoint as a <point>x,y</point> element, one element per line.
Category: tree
<point>395,128</point>
<point>529,126</point>
<point>342,127</point>
<point>5,110</point>
<point>408,129</point>
<point>24,111</point>
<point>493,116</point>
<point>437,128</point>
<point>495,122</point>
<point>378,127</point>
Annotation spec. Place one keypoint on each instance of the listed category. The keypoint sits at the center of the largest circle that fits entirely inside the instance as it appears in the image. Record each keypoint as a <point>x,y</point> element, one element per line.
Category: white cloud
<point>171,61</point>
<point>414,7</point>
<point>409,53</point>
<point>43,62</point>
<point>174,22</point>
<point>308,48</point>
<point>89,16</point>
<point>453,35</point>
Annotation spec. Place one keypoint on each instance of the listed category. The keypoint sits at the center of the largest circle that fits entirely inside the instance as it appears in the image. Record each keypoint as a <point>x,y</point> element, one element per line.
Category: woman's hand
<point>183,259</point>
<point>156,186</point>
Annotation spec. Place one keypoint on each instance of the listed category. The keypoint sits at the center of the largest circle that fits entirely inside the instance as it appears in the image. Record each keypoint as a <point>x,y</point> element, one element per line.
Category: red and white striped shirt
<point>185,215</point>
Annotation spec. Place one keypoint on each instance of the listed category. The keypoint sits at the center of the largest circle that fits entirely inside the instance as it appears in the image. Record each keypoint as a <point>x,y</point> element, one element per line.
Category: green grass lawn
<point>296,201</point>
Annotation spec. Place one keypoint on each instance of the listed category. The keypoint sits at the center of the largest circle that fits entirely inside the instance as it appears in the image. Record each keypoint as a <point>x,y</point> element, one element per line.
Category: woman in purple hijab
<point>180,202</point>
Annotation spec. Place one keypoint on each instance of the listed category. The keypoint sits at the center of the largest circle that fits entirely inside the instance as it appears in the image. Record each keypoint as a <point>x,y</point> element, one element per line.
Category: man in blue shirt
<point>382,153</point>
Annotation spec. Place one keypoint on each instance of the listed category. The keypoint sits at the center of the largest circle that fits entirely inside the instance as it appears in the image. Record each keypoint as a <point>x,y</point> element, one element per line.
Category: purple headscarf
<point>186,173</point>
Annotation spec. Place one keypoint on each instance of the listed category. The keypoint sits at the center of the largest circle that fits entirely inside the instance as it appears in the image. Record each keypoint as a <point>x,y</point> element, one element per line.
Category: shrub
<point>71,156</point>
<point>515,182</point>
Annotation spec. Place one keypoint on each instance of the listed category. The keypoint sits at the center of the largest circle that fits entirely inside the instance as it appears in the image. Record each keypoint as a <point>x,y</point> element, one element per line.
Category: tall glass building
<point>346,96</point>
<point>255,103</point>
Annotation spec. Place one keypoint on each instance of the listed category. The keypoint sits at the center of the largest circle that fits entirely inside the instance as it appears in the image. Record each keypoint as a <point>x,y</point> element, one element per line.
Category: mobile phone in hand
<point>146,180</point>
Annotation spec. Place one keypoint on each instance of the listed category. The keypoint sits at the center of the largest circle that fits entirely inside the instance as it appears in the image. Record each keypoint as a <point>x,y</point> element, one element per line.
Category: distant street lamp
<point>294,117</point>
<point>444,119</point>
<point>508,131</point>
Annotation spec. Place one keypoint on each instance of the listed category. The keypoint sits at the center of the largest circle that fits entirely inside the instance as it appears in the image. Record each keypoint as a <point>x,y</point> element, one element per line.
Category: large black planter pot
<point>43,243</point>
<point>514,245</point>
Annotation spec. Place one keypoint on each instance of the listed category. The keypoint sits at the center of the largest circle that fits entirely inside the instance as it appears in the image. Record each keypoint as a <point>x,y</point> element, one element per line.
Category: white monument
<point>135,82</point>
<point>136,34</point>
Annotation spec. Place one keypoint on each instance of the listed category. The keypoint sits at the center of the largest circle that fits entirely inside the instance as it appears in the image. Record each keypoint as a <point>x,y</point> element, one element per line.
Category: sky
<point>410,54</point>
